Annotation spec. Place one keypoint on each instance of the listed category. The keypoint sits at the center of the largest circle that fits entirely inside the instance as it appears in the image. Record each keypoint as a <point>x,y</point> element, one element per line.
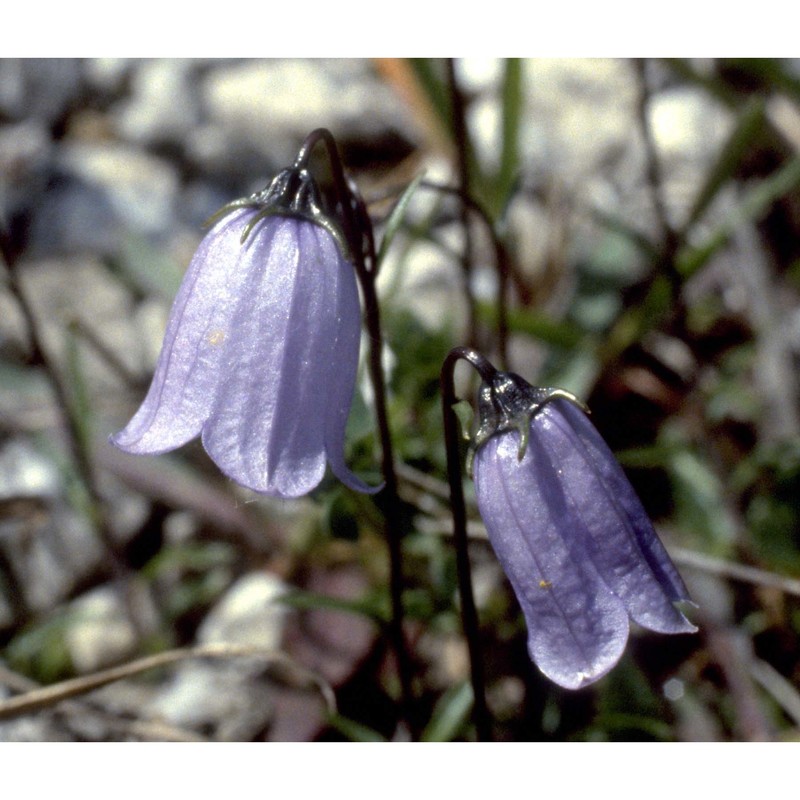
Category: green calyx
<point>292,193</point>
<point>508,402</point>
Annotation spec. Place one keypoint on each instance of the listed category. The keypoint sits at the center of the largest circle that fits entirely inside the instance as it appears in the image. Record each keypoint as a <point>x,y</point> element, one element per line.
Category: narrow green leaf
<point>193,557</point>
<point>624,229</point>
<point>396,217</point>
<point>650,457</point>
<point>308,601</point>
<point>712,83</point>
<point>80,410</point>
<point>463,410</point>
<point>621,722</point>
<point>771,72</point>
<point>535,324</point>
<point>146,268</point>
<point>354,731</point>
<point>432,77</point>
<point>512,116</point>
<point>40,649</point>
<point>637,320</point>
<point>428,74</point>
<point>755,204</point>
<point>747,129</point>
<point>449,715</point>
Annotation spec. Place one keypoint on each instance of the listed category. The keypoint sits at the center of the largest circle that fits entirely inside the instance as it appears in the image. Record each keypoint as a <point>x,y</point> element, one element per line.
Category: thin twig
<point>734,571</point>
<point>76,711</point>
<point>733,652</point>
<point>48,696</point>
<point>779,688</point>
<point>680,555</point>
<point>393,505</point>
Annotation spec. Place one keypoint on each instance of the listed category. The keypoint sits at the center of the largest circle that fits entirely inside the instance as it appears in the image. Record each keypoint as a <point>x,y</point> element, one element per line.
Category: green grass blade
<point>748,128</point>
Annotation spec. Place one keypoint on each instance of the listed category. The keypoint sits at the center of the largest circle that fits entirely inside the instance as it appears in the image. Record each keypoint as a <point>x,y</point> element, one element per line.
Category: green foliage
<point>146,269</point>
<point>414,383</point>
<point>374,607</point>
<point>513,114</point>
<point>396,217</point>
<point>748,129</point>
<point>701,509</point>
<point>354,731</point>
<point>40,650</point>
<point>773,511</point>
<point>450,714</point>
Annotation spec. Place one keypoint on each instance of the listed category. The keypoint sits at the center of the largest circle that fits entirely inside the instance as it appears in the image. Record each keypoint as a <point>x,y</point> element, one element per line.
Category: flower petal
<point>577,627</point>
<point>266,427</point>
<point>621,540</point>
<point>188,369</point>
<point>342,371</point>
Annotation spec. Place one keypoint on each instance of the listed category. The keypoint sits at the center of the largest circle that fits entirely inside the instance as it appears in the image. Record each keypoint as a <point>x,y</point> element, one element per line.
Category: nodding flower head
<point>261,349</point>
<point>573,538</point>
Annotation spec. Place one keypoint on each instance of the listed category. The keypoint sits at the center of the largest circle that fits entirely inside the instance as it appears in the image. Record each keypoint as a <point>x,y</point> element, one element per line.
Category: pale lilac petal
<point>188,370</point>
<point>621,540</point>
<point>618,488</point>
<point>342,371</point>
<point>577,627</point>
<point>266,428</point>
<point>260,356</point>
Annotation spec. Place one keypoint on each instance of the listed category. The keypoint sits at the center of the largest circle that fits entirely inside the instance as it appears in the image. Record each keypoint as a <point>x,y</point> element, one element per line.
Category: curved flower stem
<point>501,258</point>
<point>469,614</point>
<point>358,232</point>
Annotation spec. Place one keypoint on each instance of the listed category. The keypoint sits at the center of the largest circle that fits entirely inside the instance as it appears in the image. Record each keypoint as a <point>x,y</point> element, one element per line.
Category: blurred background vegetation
<point>642,221</point>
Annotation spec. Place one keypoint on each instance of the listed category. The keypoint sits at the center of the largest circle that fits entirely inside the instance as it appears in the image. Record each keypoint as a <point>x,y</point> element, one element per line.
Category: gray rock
<point>47,547</point>
<point>100,632</point>
<point>163,105</point>
<point>25,472</point>
<point>141,189</point>
<point>38,88</point>
<point>229,697</point>
<point>105,191</point>
<point>272,105</point>
<point>26,151</point>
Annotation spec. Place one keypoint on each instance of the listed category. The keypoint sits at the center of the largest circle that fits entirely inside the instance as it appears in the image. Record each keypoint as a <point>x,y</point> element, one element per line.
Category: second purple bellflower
<point>573,538</point>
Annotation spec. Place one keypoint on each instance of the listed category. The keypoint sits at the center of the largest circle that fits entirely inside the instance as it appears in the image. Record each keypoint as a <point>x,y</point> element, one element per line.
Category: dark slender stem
<point>77,442</point>
<point>461,138</point>
<point>469,614</point>
<point>76,439</point>
<point>670,240</point>
<point>393,510</point>
<point>501,259</point>
<point>358,231</point>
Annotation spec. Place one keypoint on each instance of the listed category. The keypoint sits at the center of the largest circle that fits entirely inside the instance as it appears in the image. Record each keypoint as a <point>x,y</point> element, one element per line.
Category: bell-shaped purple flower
<point>570,532</point>
<point>261,350</point>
